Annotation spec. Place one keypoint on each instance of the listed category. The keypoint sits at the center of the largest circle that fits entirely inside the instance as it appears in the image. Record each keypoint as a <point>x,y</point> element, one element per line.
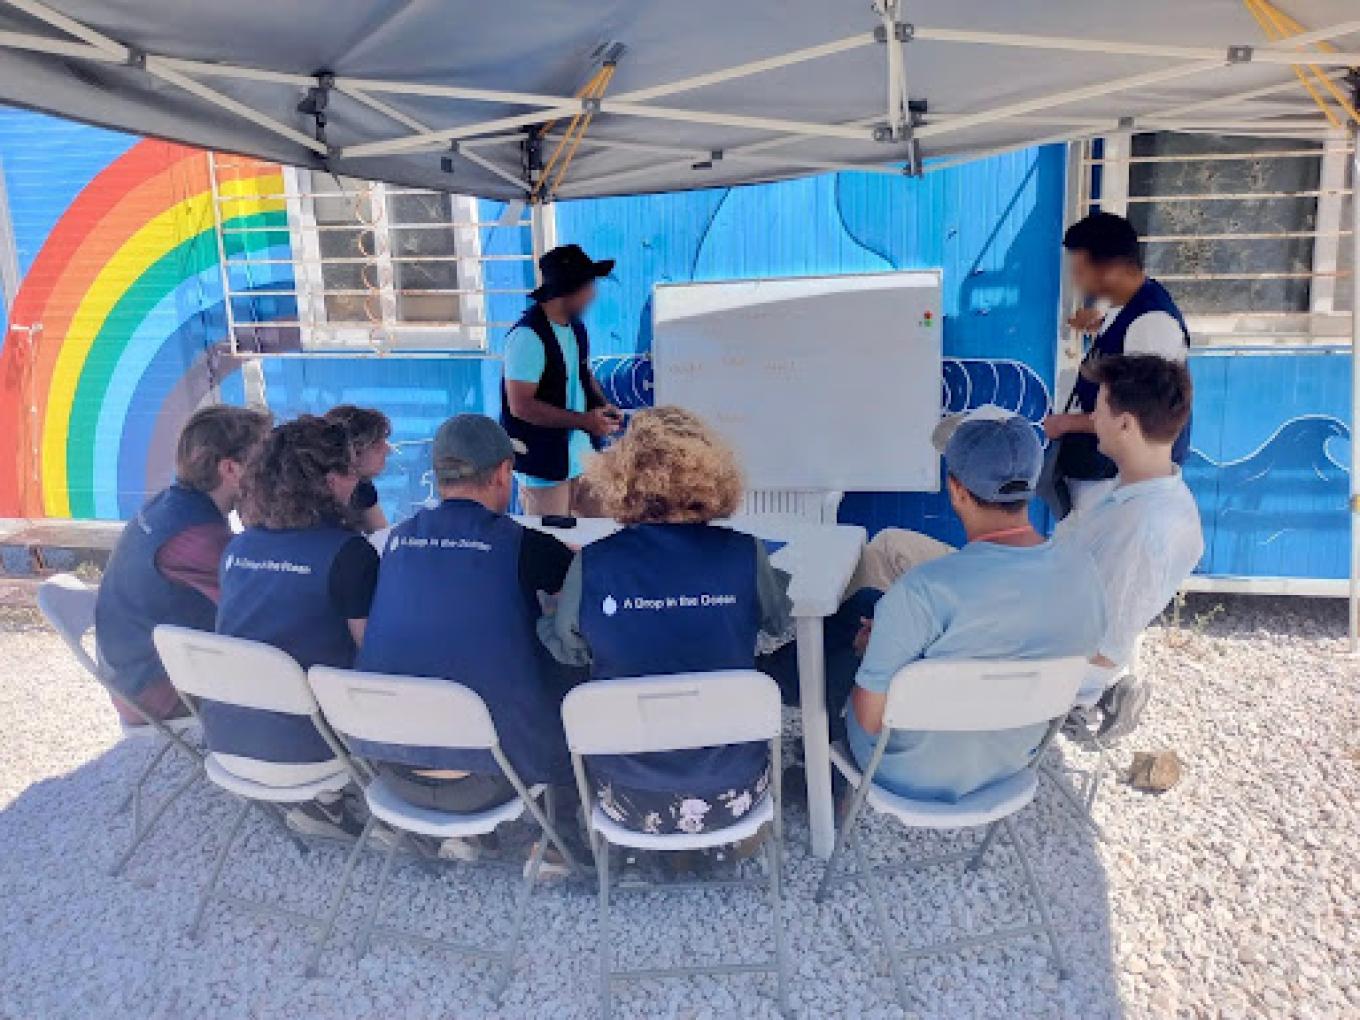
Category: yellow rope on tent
<point>1279,26</point>
<point>565,150</point>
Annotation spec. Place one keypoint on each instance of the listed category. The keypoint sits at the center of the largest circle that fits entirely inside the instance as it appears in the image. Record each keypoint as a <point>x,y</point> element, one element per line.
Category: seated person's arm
<point>353,579</point>
<point>559,630</point>
<point>369,511</point>
<point>1058,425</point>
<point>373,519</point>
<point>194,558</point>
<point>772,588</point>
<point>904,627</point>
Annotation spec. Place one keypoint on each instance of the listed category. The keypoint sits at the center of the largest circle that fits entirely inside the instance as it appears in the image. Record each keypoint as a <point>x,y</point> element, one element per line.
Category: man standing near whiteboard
<point>1140,317</point>
<point>550,402</point>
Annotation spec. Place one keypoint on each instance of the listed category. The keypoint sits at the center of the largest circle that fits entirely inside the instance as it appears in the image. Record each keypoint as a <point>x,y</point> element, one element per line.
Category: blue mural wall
<point>994,227</point>
<point>1272,437</point>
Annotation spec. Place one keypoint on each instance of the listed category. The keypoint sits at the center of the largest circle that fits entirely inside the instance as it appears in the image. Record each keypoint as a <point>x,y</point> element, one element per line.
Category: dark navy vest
<point>449,604</point>
<point>673,598</point>
<point>1081,459</point>
<point>547,455</point>
<point>134,596</point>
<point>276,590</point>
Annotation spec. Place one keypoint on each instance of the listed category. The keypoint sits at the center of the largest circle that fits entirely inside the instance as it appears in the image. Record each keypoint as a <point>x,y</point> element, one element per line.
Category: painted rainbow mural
<point>117,332</point>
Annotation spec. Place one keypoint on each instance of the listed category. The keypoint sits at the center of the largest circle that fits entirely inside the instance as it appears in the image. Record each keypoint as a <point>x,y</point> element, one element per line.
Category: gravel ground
<point>1231,895</point>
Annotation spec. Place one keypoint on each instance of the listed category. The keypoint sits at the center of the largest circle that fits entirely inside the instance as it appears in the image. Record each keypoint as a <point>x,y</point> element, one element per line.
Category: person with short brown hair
<point>672,592</point>
<point>164,568</point>
<point>369,431</point>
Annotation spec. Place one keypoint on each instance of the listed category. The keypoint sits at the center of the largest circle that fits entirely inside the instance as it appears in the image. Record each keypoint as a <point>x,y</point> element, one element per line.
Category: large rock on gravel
<point>1155,772</point>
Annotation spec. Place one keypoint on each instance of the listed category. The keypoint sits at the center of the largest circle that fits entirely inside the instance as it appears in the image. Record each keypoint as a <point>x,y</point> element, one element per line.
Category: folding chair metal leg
<point>366,934</point>
<point>975,861</point>
<point>134,794</point>
<point>211,888</point>
<point>773,856</point>
<point>314,957</point>
<point>521,909</point>
<point>881,913</point>
<point>1072,799</point>
<point>140,834</point>
<point>602,870</point>
<point>1038,896</point>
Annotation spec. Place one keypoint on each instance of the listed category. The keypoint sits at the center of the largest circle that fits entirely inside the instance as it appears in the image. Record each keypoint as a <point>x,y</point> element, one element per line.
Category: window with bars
<point>1251,235</point>
<point>351,266</point>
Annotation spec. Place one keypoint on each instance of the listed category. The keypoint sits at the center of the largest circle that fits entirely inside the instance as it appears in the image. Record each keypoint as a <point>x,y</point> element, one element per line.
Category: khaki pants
<point>569,498</point>
<point>890,554</point>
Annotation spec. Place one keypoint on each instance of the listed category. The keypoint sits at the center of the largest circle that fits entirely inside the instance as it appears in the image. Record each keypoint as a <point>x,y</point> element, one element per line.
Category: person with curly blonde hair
<point>671,592</point>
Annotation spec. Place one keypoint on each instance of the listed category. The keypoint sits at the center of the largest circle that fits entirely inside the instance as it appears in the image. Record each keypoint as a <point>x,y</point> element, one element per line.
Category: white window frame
<point>1322,324</point>
<point>387,332</point>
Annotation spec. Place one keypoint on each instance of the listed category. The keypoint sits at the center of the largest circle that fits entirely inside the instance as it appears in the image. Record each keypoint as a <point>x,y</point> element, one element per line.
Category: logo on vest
<point>610,606</point>
<point>226,564</point>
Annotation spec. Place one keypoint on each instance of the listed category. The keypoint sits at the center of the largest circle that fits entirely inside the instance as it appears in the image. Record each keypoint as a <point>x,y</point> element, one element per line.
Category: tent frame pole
<point>1353,615</point>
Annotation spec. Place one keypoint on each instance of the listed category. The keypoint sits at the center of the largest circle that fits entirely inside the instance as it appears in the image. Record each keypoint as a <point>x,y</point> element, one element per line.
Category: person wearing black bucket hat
<point>550,402</point>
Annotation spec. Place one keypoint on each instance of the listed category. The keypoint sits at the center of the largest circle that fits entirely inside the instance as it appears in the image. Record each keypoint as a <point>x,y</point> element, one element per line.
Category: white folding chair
<point>374,714</point>
<point>68,603</point>
<point>959,696</point>
<point>669,713</point>
<point>248,674</point>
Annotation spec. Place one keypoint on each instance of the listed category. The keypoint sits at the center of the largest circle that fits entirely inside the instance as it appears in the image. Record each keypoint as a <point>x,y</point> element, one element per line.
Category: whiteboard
<point>818,382</point>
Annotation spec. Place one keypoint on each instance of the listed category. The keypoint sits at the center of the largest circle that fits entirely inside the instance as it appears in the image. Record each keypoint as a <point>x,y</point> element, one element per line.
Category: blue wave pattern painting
<point>1280,509</point>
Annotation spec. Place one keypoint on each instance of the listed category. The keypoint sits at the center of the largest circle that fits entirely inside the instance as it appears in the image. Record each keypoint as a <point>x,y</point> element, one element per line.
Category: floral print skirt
<point>665,813</point>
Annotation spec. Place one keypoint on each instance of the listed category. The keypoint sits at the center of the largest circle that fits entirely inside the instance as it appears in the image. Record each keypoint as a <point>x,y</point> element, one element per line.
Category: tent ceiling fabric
<point>123,64</point>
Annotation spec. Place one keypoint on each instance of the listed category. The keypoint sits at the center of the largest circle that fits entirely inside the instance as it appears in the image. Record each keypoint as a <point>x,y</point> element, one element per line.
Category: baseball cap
<point>468,444</point>
<point>994,453</point>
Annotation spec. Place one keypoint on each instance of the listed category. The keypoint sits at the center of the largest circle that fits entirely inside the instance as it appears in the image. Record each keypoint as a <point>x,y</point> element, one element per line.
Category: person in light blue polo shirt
<point>1007,594</point>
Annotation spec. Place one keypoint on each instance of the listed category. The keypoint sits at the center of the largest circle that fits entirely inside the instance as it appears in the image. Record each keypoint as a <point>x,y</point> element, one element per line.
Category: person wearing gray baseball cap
<point>458,597</point>
<point>1006,594</point>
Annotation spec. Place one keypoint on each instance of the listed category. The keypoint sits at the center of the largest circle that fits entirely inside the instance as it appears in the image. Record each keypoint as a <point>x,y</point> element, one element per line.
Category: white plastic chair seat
<point>392,808</point>
<point>999,800</point>
<point>298,794</point>
<point>748,826</point>
<point>137,731</point>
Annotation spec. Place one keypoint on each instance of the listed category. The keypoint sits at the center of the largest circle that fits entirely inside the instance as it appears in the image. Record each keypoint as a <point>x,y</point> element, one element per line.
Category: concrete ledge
<point>35,547</point>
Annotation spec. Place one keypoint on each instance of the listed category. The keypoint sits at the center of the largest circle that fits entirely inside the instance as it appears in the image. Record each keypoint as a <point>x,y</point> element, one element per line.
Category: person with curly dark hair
<point>369,431</point>
<point>301,579</point>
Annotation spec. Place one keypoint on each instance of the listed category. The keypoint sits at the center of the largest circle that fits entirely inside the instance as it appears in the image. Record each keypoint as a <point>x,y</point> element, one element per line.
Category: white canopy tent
<point>580,98</point>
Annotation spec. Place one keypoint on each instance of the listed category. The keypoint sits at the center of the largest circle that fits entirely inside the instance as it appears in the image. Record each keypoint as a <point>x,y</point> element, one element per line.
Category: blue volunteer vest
<point>276,590</point>
<point>134,596</point>
<point>673,598</point>
<point>449,604</point>
<point>1150,297</point>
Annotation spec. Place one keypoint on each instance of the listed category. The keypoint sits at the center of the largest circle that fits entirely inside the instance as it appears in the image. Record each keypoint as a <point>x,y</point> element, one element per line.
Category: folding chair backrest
<point>67,603</point>
<point>406,711</point>
<point>671,713</point>
<point>233,671</point>
<point>974,695</point>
